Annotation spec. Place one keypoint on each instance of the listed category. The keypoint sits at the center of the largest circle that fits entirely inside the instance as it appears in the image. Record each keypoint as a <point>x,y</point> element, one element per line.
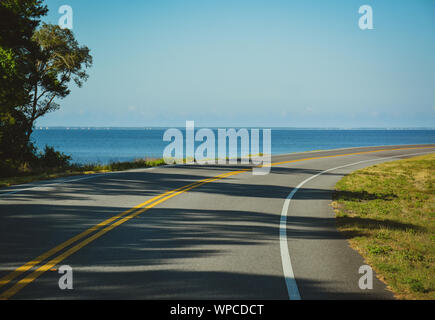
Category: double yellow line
<point>108,225</point>
<point>116,221</point>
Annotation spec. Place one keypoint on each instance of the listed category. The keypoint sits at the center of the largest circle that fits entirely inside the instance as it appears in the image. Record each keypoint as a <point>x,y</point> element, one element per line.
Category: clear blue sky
<point>266,63</point>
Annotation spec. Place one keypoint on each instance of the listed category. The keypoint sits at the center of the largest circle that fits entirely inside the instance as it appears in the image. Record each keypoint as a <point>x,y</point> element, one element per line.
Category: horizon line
<point>216,127</point>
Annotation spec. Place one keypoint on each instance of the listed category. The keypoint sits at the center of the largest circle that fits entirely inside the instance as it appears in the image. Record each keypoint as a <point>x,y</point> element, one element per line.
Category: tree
<point>16,149</point>
<point>59,60</point>
<point>18,22</point>
<point>36,67</point>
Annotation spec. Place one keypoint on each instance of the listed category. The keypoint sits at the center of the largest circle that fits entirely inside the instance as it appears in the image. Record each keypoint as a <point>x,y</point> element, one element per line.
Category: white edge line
<point>90,176</point>
<point>42,185</point>
<point>290,280</point>
<point>423,145</point>
<point>52,184</point>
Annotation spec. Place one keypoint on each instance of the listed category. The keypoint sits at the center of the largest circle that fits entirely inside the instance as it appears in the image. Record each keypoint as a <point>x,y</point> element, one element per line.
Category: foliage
<point>53,159</point>
<point>36,66</point>
<point>59,60</point>
<point>18,22</point>
<point>16,149</point>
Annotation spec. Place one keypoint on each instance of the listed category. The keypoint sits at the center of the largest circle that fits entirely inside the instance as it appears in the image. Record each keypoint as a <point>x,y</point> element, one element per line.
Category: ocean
<point>104,145</point>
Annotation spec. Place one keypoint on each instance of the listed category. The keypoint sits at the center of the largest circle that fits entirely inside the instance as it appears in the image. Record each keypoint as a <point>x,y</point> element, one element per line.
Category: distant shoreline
<point>105,145</point>
<point>277,128</point>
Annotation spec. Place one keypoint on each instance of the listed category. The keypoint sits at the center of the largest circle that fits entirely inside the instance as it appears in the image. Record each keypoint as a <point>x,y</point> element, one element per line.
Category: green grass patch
<point>387,212</point>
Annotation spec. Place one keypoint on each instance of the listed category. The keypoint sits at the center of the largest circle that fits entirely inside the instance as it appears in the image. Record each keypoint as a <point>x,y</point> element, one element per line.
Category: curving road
<point>188,232</point>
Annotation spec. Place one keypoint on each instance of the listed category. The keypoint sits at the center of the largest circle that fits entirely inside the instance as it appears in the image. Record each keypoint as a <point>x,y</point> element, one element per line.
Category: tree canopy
<point>18,22</point>
<point>37,64</point>
<point>59,60</point>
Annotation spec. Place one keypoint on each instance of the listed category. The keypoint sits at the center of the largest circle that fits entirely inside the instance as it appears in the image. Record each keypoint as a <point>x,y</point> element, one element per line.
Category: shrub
<point>53,159</point>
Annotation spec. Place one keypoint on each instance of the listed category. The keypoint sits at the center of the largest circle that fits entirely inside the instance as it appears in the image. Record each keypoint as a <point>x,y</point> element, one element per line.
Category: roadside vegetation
<point>38,62</point>
<point>387,212</point>
<point>52,164</point>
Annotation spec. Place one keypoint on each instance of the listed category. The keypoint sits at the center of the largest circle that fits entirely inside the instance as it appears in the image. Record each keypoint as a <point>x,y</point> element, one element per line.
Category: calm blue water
<point>106,145</point>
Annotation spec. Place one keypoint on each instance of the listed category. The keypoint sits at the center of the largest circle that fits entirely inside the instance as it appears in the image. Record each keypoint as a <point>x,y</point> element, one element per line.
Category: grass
<point>72,170</point>
<point>387,211</point>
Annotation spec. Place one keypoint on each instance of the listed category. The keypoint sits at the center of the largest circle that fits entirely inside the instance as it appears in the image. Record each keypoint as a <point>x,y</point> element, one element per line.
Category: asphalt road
<point>237,236</point>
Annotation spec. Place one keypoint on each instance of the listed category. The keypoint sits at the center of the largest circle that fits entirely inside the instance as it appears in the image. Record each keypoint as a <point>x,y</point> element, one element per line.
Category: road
<point>142,234</point>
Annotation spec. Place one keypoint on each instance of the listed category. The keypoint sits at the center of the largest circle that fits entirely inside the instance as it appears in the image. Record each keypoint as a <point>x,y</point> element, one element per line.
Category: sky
<point>261,63</point>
